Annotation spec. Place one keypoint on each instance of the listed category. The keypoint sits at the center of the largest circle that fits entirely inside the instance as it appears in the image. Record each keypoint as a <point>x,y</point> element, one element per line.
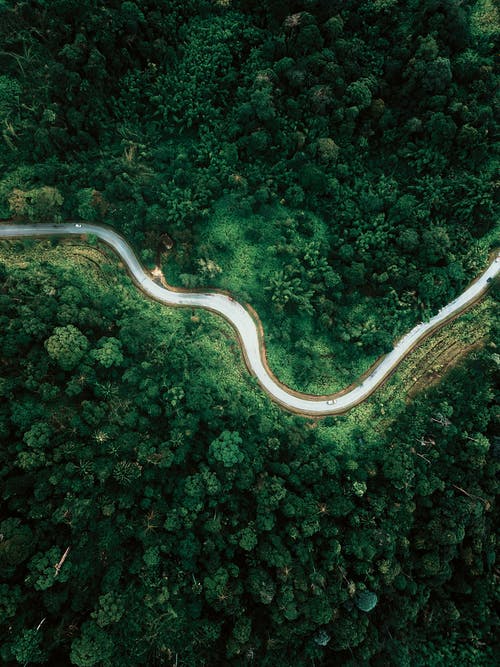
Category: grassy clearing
<point>241,248</point>
<point>242,252</point>
<point>326,374</point>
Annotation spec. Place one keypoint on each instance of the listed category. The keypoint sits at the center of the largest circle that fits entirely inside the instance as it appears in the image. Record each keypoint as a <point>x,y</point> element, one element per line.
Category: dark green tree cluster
<point>153,514</point>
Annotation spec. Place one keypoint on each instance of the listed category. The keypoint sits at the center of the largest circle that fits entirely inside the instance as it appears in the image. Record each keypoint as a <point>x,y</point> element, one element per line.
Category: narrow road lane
<point>246,327</point>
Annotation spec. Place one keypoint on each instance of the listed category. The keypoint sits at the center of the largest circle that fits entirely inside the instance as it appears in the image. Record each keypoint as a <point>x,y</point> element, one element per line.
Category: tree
<point>44,573</point>
<point>248,538</point>
<point>67,346</point>
<point>91,205</point>
<point>225,449</point>
<point>16,542</point>
<point>366,600</point>
<point>111,609</point>
<point>92,647</point>
<point>108,352</point>
<point>10,96</point>
<point>39,204</point>
<point>26,648</point>
<point>328,151</point>
<point>358,94</point>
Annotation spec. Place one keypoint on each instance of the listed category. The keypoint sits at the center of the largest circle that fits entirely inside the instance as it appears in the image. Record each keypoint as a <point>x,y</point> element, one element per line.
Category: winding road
<point>247,328</point>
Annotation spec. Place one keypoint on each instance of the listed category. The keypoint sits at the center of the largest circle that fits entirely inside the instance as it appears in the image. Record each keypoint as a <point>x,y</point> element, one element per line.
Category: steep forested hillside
<point>331,162</point>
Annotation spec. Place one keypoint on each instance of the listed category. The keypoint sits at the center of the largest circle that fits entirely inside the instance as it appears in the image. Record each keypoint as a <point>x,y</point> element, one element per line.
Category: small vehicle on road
<point>332,401</point>
<point>78,225</point>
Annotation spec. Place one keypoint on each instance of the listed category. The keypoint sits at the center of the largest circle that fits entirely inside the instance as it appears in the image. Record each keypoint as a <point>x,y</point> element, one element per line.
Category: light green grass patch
<point>243,248</point>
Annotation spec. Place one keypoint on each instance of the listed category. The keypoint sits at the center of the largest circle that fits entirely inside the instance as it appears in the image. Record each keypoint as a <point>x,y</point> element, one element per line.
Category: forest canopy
<point>332,163</point>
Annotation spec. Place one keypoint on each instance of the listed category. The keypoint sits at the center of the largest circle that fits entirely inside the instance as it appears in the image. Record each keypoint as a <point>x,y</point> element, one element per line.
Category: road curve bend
<point>246,327</point>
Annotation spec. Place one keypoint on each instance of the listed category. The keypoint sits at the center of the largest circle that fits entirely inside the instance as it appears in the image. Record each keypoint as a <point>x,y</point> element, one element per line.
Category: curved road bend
<point>246,328</point>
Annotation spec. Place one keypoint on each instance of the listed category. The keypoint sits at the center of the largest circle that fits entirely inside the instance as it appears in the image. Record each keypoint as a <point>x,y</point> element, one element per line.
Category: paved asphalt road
<point>244,324</point>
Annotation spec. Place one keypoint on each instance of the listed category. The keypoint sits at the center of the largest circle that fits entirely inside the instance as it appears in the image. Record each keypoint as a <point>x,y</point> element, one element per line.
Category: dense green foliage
<point>331,163</point>
<point>374,115</point>
<point>204,525</point>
